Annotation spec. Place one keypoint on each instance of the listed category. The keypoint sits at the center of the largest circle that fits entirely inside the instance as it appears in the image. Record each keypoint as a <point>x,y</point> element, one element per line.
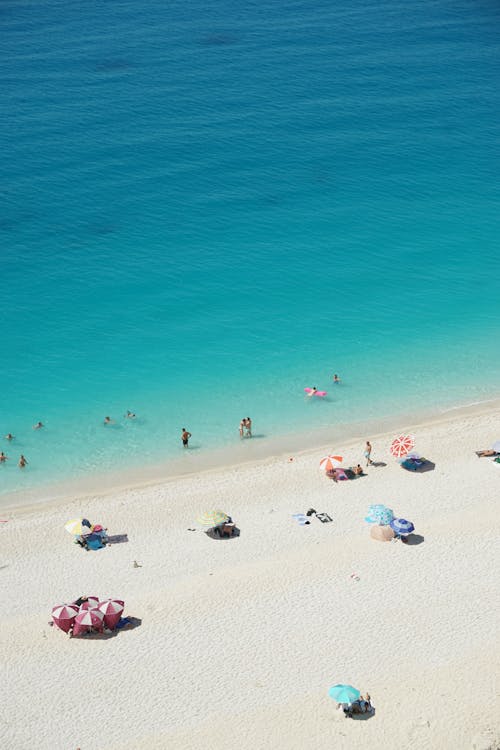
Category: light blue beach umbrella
<point>401,526</point>
<point>344,693</point>
<point>379,514</point>
<point>496,446</point>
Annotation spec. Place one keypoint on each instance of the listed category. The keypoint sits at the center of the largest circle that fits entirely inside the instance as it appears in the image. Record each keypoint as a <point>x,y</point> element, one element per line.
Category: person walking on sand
<point>185,437</point>
<point>368,453</point>
<point>22,462</point>
<point>248,427</point>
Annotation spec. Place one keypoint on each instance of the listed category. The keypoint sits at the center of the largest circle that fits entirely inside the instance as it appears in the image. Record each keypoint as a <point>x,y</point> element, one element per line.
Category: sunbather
<point>358,470</point>
<point>487,452</point>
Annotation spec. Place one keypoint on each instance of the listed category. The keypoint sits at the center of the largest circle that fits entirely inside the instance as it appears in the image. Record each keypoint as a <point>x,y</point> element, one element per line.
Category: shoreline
<point>293,608</point>
<point>261,452</point>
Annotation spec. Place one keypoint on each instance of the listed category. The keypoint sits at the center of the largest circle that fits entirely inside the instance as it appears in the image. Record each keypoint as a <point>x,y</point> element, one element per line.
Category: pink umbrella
<point>91,603</point>
<point>112,610</point>
<point>401,445</point>
<point>64,616</point>
<point>90,618</point>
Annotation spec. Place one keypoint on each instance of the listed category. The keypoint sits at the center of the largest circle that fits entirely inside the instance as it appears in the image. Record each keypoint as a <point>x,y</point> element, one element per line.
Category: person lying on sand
<point>486,452</point>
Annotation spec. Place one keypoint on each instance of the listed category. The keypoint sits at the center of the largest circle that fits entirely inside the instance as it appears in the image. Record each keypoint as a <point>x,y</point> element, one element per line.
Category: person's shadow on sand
<point>378,463</point>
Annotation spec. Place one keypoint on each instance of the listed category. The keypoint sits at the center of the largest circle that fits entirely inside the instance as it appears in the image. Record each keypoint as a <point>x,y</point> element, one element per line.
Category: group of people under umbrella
<point>350,700</point>
<point>88,615</point>
<point>386,526</point>
<point>217,522</point>
<point>87,535</point>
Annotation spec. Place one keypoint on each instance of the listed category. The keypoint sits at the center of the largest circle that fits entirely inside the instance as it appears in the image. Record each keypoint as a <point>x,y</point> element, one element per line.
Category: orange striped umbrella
<point>329,463</point>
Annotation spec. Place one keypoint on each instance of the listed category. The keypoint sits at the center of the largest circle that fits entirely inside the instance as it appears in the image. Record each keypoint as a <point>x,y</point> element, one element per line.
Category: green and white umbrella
<point>213,518</point>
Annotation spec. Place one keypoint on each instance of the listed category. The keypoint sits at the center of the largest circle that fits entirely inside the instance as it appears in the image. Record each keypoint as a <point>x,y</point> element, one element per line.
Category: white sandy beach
<point>241,639</point>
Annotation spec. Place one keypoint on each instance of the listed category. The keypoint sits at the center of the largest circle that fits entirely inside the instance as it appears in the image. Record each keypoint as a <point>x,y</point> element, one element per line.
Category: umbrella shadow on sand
<point>213,534</point>
<point>412,540</point>
<point>133,623</point>
<point>363,717</point>
<point>117,538</point>
<point>426,466</point>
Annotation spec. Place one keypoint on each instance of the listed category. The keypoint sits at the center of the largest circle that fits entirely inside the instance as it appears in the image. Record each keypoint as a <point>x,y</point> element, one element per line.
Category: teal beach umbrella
<point>379,514</point>
<point>344,693</point>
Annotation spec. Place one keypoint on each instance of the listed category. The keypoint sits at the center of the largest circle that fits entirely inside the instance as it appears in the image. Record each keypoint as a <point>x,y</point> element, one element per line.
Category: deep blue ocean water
<point>206,207</point>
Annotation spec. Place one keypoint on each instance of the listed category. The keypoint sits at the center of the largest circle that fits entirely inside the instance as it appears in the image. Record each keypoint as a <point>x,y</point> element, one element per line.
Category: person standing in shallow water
<point>185,437</point>
<point>248,427</point>
<point>22,462</point>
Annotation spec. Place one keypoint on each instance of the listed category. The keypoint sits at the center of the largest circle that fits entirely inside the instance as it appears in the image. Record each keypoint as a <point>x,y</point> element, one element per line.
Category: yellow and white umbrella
<point>213,518</point>
<point>79,527</point>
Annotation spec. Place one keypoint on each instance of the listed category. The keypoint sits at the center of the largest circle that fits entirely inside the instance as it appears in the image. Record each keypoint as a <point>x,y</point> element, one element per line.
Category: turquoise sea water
<point>205,208</point>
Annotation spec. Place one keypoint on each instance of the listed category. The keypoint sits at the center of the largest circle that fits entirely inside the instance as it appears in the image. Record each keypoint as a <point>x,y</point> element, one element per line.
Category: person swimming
<point>312,391</point>
<point>130,415</point>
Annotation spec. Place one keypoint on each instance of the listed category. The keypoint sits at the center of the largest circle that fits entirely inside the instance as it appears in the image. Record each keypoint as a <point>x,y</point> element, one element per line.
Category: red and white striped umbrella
<point>64,616</point>
<point>401,445</point>
<point>92,602</point>
<point>89,618</point>
<point>112,610</point>
<point>328,463</point>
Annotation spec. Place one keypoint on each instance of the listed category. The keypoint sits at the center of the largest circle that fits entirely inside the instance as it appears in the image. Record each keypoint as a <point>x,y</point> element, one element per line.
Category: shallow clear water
<point>205,209</point>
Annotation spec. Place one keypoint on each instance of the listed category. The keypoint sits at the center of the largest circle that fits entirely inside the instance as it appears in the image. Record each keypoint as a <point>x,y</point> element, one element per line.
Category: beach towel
<point>323,517</point>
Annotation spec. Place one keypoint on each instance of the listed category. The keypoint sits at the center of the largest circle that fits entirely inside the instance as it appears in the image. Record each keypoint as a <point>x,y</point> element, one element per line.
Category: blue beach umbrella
<point>344,693</point>
<point>496,446</point>
<point>401,526</point>
<point>379,514</point>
